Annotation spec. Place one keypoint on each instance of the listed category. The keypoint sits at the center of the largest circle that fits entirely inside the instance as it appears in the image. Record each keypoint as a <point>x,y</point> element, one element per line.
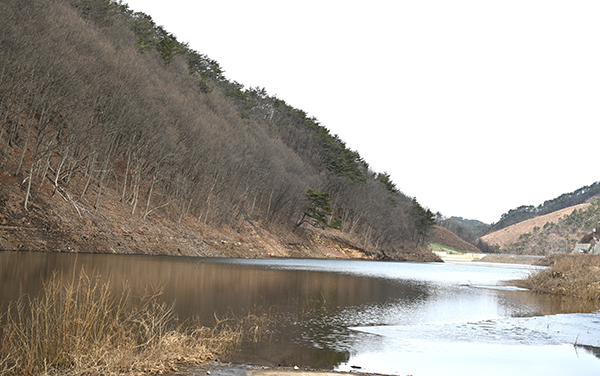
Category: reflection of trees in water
<point>319,328</point>
<point>312,309</point>
<point>283,351</point>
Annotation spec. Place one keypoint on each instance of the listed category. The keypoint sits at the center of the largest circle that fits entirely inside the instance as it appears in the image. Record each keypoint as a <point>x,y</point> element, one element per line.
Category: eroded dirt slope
<point>60,223</point>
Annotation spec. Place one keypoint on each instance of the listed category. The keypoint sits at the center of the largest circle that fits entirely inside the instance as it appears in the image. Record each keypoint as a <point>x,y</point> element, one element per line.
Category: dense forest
<point>99,102</point>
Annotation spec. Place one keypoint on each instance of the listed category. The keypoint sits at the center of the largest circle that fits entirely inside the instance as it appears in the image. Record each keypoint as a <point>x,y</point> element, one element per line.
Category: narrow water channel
<point>361,316</point>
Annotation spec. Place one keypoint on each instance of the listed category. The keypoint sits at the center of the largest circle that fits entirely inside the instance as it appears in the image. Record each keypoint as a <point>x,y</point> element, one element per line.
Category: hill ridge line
<point>511,233</point>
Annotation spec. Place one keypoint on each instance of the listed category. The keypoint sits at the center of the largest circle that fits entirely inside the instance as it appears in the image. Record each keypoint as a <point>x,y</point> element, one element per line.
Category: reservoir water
<point>361,316</point>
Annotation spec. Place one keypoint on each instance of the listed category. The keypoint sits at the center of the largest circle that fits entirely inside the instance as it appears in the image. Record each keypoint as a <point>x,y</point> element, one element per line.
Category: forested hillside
<point>545,229</point>
<point>111,126</point>
<point>556,232</point>
<point>469,230</point>
<point>524,212</point>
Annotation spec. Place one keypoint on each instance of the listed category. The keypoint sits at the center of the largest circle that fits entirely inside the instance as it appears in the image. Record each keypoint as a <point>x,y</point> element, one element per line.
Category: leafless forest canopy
<point>97,98</point>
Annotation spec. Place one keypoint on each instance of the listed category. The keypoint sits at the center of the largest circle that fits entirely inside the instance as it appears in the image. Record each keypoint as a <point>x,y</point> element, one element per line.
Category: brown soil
<point>445,237</point>
<point>59,223</point>
<point>511,234</point>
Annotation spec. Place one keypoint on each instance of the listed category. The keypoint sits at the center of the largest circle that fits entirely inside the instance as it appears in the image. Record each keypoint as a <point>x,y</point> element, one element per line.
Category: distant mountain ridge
<point>476,225</point>
<point>525,212</point>
<point>554,226</point>
<point>556,232</point>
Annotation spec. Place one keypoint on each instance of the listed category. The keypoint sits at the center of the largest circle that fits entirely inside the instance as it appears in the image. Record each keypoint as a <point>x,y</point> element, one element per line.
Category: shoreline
<point>492,258</point>
<point>512,259</point>
<point>231,369</point>
<point>571,275</point>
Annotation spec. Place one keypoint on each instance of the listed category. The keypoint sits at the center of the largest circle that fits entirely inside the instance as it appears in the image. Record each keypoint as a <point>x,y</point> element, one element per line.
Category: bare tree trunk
<point>269,206</point>
<point>366,237</point>
<point>184,212</point>
<point>154,179</point>
<point>135,185</point>
<point>127,169</point>
<point>208,196</point>
<point>46,165</point>
<point>40,138</point>
<point>355,222</point>
<point>105,168</point>
<point>253,203</point>
<point>25,143</point>
<point>59,168</point>
<point>90,170</point>
<point>29,179</point>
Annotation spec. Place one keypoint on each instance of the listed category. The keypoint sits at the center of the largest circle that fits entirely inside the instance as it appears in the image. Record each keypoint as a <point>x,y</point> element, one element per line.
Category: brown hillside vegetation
<point>445,237</point>
<point>59,224</point>
<point>575,276</point>
<point>511,234</point>
<point>116,137</point>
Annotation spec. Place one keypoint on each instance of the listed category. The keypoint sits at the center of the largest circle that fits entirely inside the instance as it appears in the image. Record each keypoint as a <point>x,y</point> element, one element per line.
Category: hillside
<point>51,224</point>
<point>469,231</point>
<point>117,137</point>
<point>556,232</point>
<point>475,226</point>
<point>443,236</point>
<point>566,200</point>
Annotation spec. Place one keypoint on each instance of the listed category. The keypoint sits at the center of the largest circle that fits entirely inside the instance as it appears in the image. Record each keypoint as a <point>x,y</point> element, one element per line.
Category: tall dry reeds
<point>576,276</point>
<point>83,327</point>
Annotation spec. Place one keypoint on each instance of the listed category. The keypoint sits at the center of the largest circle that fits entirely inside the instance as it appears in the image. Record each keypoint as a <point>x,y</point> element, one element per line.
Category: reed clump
<point>576,276</point>
<point>84,327</point>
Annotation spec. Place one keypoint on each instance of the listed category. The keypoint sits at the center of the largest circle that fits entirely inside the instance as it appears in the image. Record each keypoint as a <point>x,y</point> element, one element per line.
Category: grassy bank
<point>576,276</point>
<point>444,248</point>
<point>83,326</point>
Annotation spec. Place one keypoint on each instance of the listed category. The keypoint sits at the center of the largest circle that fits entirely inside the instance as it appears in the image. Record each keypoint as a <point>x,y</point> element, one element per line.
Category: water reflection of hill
<point>297,299</point>
<point>314,303</point>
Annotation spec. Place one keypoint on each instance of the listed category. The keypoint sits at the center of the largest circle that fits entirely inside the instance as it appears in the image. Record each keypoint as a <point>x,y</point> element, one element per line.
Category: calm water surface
<point>365,316</point>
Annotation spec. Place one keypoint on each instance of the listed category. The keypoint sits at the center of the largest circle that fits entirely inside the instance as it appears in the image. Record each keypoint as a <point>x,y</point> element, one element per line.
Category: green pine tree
<point>318,211</point>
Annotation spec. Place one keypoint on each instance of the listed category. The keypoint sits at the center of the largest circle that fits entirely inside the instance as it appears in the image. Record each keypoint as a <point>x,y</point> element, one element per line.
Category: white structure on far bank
<point>589,244</point>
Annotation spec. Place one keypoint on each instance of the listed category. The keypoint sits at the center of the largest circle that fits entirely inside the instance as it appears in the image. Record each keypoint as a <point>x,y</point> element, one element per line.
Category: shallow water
<point>364,316</point>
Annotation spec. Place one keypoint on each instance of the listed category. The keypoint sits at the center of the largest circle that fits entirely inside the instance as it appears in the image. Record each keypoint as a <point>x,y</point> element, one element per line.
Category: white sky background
<point>473,107</point>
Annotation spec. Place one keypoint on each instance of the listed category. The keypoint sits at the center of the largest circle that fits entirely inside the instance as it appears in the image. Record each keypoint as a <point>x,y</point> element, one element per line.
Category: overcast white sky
<point>473,107</point>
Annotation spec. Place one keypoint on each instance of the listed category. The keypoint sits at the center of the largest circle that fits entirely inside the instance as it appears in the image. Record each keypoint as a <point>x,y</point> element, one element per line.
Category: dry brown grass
<point>82,327</point>
<point>576,276</point>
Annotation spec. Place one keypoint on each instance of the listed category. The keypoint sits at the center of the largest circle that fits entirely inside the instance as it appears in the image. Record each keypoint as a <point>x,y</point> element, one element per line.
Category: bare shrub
<point>577,276</point>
